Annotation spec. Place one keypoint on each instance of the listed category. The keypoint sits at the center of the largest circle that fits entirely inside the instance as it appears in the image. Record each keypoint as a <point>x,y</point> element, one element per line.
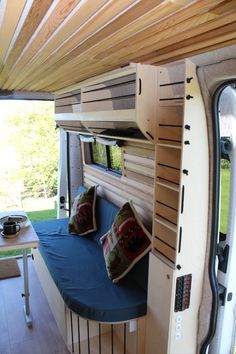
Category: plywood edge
<point>124,115</point>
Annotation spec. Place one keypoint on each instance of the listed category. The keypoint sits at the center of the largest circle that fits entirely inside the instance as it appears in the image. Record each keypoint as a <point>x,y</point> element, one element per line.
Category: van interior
<point>145,102</point>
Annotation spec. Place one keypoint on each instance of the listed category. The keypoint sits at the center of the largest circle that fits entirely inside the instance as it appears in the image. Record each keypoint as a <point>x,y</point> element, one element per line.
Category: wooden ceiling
<point>50,45</point>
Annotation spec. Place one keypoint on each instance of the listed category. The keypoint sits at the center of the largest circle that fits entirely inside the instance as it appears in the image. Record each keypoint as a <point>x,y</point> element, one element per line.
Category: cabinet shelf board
<point>169,185</point>
<point>166,223</point>
<point>174,146</point>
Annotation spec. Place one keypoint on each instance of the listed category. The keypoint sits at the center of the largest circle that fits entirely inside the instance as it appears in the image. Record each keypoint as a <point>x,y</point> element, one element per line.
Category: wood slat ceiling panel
<point>96,31</point>
<point>173,25</point>
<point>48,45</point>
<point>35,16</point>
<point>12,13</point>
<point>63,35</point>
<point>61,11</point>
<point>88,56</point>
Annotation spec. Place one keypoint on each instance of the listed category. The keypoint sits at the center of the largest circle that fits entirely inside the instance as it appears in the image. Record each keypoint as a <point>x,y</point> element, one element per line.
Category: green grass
<point>225,193</point>
<point>42,215</point>
<point>33,216</point>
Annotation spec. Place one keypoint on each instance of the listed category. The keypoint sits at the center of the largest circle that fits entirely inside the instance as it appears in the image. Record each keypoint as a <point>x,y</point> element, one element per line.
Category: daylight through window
<point>108,157</point>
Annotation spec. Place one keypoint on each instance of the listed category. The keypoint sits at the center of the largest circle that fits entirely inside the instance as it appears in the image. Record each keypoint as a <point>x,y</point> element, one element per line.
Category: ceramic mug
<point>11,227</point>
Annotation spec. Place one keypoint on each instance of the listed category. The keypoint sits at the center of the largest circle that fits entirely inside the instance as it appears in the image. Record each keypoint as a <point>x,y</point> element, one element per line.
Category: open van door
<point>224,339</point>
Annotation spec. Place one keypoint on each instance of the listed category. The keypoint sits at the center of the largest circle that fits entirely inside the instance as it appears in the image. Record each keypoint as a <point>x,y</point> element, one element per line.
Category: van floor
<point>15,337</point>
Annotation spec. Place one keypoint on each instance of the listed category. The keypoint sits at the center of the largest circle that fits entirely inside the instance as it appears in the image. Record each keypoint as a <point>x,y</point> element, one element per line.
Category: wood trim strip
<point>138,177</point>
<point>142,170</point>
<point>166,213</point>
<point>12,13</point>
<point>75,99</point>
<point>165,234</point>
<point>142,161</point>
<point>164,249</point>
<point>168,173</point>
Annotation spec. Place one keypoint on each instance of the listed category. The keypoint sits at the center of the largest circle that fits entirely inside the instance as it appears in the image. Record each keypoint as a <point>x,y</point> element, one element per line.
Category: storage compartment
<point>121,104</point>
<point>110,95</point>
<point>168,174</point>
<point>171,93</point>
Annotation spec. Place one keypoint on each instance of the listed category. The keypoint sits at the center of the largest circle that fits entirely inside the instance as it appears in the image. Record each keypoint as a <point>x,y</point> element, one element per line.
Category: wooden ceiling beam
<point>35,16</point>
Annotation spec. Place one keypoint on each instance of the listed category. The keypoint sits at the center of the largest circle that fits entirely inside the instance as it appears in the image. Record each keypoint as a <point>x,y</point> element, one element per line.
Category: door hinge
<point>223,255</point>
<point>222,291</point>
<point>62,202</point>
<point>225,147</point>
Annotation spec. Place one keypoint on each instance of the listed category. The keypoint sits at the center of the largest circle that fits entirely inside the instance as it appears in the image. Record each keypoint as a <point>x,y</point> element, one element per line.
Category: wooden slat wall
<point>136,182</point>
<point>68,103</point>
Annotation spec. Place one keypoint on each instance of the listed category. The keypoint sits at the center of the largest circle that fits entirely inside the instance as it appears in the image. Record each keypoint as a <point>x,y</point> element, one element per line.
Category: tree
<point>32,134</point>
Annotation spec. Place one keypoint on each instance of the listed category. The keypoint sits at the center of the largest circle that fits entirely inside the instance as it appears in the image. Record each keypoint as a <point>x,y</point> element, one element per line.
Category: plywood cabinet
<point>121,104</point>
<point>180,212</point>
<point>168,168</point>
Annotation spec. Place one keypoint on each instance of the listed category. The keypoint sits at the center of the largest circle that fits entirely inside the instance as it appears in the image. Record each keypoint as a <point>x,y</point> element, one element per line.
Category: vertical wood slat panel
<point>135,186</point>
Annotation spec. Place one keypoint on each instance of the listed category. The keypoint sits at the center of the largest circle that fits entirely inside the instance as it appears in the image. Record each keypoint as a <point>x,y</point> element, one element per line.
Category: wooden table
<point>27,238</point>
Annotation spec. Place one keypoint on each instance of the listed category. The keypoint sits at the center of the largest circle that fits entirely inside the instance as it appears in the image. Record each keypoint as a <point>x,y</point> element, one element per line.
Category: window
<point>108,157</point>
<point>226,120</point>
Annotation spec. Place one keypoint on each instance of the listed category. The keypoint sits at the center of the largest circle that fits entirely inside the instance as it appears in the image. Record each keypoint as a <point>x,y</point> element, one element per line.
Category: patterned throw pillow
<point>125,243</point>
<point>82,220</point>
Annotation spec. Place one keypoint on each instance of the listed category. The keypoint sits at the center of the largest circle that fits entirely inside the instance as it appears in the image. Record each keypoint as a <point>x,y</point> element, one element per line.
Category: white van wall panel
<point>76,165</point>
<point>62,175</point>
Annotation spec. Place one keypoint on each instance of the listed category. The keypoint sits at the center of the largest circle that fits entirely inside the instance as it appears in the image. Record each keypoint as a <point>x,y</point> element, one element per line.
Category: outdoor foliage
<point>30,144</point>
<point>225,164</point>
<point>100,156</point>
<point>225,195</point>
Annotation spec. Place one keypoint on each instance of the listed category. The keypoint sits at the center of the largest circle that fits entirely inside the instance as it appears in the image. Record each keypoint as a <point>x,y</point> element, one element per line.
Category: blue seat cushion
<point>77,266</point>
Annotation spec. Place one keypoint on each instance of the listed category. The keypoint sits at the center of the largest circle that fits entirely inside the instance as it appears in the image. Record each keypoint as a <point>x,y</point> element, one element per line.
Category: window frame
<point>108,159</point>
